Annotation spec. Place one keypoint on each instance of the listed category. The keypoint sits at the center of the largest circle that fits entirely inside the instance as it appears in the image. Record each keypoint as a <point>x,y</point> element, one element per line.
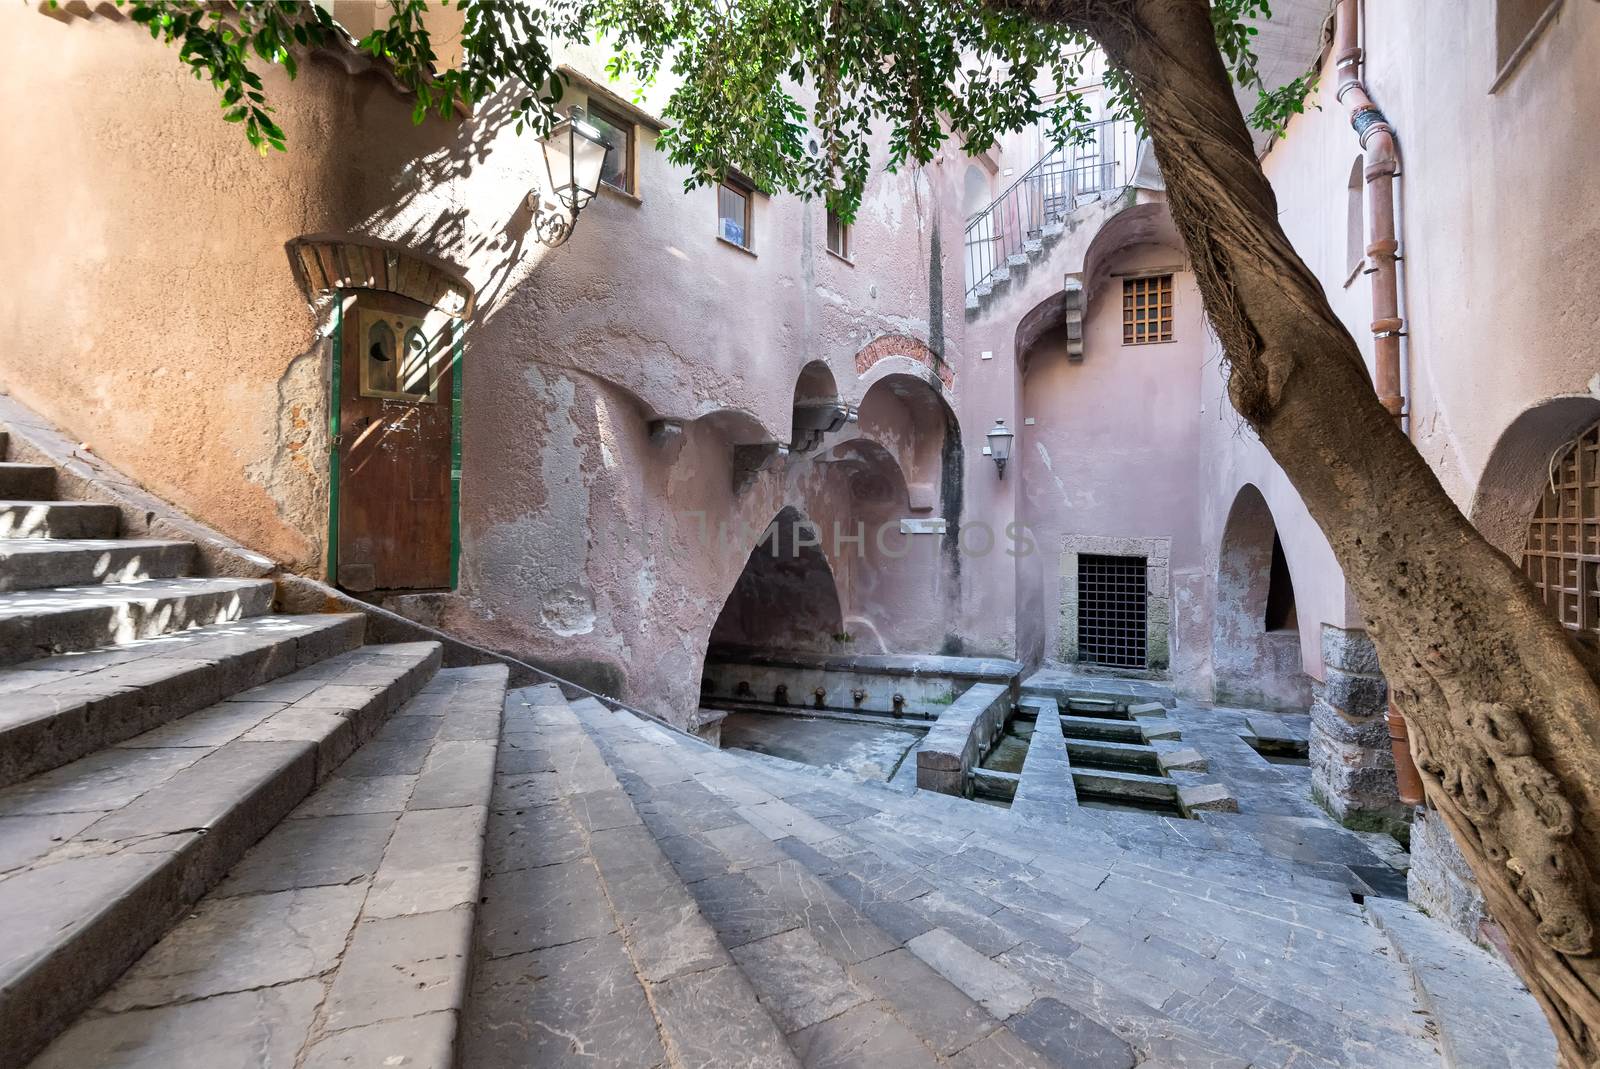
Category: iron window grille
<point>1112,609</point>
<point>1146,310</point>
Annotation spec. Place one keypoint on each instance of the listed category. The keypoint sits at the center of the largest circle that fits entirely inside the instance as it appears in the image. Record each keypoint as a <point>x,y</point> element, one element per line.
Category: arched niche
<point>1255,640</point>
<point>905,415</point>
<point>818,411</point>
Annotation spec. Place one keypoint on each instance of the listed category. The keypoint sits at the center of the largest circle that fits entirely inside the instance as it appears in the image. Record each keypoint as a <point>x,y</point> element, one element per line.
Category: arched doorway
<point>786,597</point>
<point>1255,638</point>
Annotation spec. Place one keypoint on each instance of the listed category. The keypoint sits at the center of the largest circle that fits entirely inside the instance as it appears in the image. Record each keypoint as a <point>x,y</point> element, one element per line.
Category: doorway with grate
<point>1113,600</point>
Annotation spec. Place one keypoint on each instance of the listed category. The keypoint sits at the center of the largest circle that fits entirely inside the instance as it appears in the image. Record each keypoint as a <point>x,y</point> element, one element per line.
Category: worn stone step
<point>588,939</point>
<point>105,853</point>
<point>40,623</point>
<point>1485,1014</point>
<point>58,519</point>
<point>345,935</point>
<point>37,563</point>
<point>27,482</point>
<point>848,986</point>
<point>59,709</point>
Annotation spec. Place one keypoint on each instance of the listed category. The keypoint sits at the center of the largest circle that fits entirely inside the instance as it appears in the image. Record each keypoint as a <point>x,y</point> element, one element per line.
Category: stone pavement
<point>654,901</point>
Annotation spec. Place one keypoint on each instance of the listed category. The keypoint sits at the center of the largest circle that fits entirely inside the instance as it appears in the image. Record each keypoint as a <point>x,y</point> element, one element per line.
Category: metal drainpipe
<point>1382,166</point>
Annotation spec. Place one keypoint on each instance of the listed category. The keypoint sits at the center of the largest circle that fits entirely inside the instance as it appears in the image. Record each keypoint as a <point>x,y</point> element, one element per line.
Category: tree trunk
<point>1502,711</point>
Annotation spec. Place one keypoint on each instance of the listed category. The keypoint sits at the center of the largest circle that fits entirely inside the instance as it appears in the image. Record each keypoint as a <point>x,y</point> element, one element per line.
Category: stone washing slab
<point>59,709</point>
<point>975,669</point>
<point>39,623</point>
<point>76,917</point>
<point>39,563</point>
<point>950,749</point>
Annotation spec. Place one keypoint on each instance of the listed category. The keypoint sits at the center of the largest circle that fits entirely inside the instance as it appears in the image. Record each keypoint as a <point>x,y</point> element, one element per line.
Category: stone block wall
<point>1440,881</point>
<point>1352,766</point>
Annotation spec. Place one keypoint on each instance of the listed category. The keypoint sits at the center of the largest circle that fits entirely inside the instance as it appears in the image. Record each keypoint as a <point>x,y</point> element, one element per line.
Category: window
<point>838,236</point>
<point>1112,610</point>
<point>1146,310</point>
<point>617,133</point>
<point>1562,554</point>
<point>733,214</point>
<point>398,360</point>
<point>1355,219</point>
<point>1514,22</point>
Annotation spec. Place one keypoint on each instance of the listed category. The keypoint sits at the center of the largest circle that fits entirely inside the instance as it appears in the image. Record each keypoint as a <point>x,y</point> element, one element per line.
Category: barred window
<point>1146,309</point>
<point>1562,554</point>
<point>1112,609</point>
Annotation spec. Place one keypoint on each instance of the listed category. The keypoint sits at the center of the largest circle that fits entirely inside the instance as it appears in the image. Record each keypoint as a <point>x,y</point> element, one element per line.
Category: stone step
<point>61,708</point>
<point>40,623</point>
<point>37,563</point>
<point>104,854</point>
<point>1486,1015</point>
<point>589,944</point>
<point>844,989</point>
<point>1183,922</point>
<point>344,937</point>
<point>58,519</point>
<point>27,482</point>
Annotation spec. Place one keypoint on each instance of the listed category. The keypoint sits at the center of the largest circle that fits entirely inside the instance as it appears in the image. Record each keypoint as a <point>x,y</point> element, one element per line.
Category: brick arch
<point>326,266</point>
<point>904,345</point>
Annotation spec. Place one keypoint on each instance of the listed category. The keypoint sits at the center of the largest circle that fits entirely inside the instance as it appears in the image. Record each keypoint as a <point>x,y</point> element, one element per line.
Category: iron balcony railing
<point>1098,162</point>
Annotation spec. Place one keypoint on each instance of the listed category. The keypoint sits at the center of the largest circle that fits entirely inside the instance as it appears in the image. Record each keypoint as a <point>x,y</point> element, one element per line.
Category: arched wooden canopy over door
<point>395,416</point>
<point>1562,553</point>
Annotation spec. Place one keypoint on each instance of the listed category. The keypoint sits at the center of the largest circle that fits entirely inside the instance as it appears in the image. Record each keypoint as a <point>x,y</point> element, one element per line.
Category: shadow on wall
<point>1255,643</point>
<point>785,599</point>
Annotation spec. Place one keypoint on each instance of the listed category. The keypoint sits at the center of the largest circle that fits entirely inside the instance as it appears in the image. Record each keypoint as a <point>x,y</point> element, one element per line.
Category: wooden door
<point>395,504</point>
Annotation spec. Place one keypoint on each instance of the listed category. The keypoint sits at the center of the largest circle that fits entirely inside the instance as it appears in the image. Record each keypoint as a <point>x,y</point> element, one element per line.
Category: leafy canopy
<point>787,92</point>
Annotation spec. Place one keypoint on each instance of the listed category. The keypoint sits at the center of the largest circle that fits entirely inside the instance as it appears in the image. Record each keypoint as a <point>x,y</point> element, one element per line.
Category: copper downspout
<point>1383,247</point>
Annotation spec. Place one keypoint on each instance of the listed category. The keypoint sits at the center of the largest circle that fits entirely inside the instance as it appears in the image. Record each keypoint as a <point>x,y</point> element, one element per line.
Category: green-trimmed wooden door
<point>395,480</point>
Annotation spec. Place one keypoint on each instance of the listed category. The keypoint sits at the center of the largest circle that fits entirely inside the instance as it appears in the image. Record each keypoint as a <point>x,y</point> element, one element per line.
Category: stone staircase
<point>231,839</point>
<point>652,901</point>
<point>227,837</point>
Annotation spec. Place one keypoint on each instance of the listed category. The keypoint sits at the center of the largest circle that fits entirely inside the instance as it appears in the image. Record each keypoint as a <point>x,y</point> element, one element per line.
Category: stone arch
<point>1255,639</point>
<point>1148,223</point>
<point>325,266</point>
<point>903,345</point>
<point>1518,468</point>
<point>786,598</point>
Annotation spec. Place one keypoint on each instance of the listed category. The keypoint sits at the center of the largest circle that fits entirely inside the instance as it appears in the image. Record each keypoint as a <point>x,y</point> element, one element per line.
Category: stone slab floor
<point>652,901</point>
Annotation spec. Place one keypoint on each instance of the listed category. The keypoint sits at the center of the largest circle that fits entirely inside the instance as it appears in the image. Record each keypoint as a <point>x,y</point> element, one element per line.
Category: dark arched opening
<point>786,597</point>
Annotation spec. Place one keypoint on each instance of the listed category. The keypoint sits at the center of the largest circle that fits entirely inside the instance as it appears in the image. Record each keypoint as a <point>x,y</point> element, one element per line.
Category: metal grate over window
<point>1146,310</point>
<point>1562,554</point>
<point>1111,610</point>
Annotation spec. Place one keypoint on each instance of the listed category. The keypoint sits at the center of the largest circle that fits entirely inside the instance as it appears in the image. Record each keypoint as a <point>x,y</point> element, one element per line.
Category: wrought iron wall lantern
<point>574,154</point>
<point>999,439</point>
